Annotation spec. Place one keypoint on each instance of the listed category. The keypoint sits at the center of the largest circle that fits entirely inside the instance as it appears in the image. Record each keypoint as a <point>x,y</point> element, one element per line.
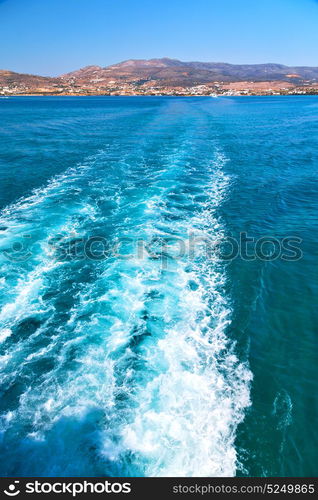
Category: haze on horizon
<point>52,38</point>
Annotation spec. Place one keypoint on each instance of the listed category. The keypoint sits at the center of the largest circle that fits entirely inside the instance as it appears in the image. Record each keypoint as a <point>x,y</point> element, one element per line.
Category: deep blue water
<point>132,343</point>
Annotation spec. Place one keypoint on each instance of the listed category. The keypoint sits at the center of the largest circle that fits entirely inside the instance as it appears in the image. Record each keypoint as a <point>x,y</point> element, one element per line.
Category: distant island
<point>167,77</point>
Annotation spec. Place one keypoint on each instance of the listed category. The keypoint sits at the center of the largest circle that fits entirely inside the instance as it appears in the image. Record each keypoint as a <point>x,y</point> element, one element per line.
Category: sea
<point>158,286</point>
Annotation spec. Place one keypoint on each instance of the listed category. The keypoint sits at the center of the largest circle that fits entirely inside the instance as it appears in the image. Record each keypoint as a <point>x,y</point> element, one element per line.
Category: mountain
<point>26,81</point>
<point>143,75</point>
<point>172,72</point>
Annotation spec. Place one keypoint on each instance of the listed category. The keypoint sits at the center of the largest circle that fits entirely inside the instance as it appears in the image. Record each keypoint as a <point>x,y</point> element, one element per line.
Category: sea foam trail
<point>194,389</point>
<point>128,356</point>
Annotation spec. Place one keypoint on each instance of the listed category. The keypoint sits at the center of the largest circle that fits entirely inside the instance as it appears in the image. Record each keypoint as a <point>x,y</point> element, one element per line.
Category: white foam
<point>4,334</point>
<point>187,414</point>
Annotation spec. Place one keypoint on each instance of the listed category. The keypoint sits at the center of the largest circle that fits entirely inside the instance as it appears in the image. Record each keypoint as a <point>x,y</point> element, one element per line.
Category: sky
<point>52,37</point>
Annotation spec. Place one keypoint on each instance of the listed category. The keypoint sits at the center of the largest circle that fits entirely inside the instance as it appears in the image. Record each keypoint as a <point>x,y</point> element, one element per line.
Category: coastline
<point>162,95</point>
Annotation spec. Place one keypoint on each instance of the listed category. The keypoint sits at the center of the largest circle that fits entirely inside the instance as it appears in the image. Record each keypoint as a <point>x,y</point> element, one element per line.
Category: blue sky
<point>50,37</point>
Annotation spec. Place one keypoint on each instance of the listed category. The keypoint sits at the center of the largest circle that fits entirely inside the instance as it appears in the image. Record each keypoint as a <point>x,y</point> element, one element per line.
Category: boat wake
<point>122,366</point>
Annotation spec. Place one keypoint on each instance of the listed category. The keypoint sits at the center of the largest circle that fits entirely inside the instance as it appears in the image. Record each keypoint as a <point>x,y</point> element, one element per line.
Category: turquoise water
<point>132,343</point>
